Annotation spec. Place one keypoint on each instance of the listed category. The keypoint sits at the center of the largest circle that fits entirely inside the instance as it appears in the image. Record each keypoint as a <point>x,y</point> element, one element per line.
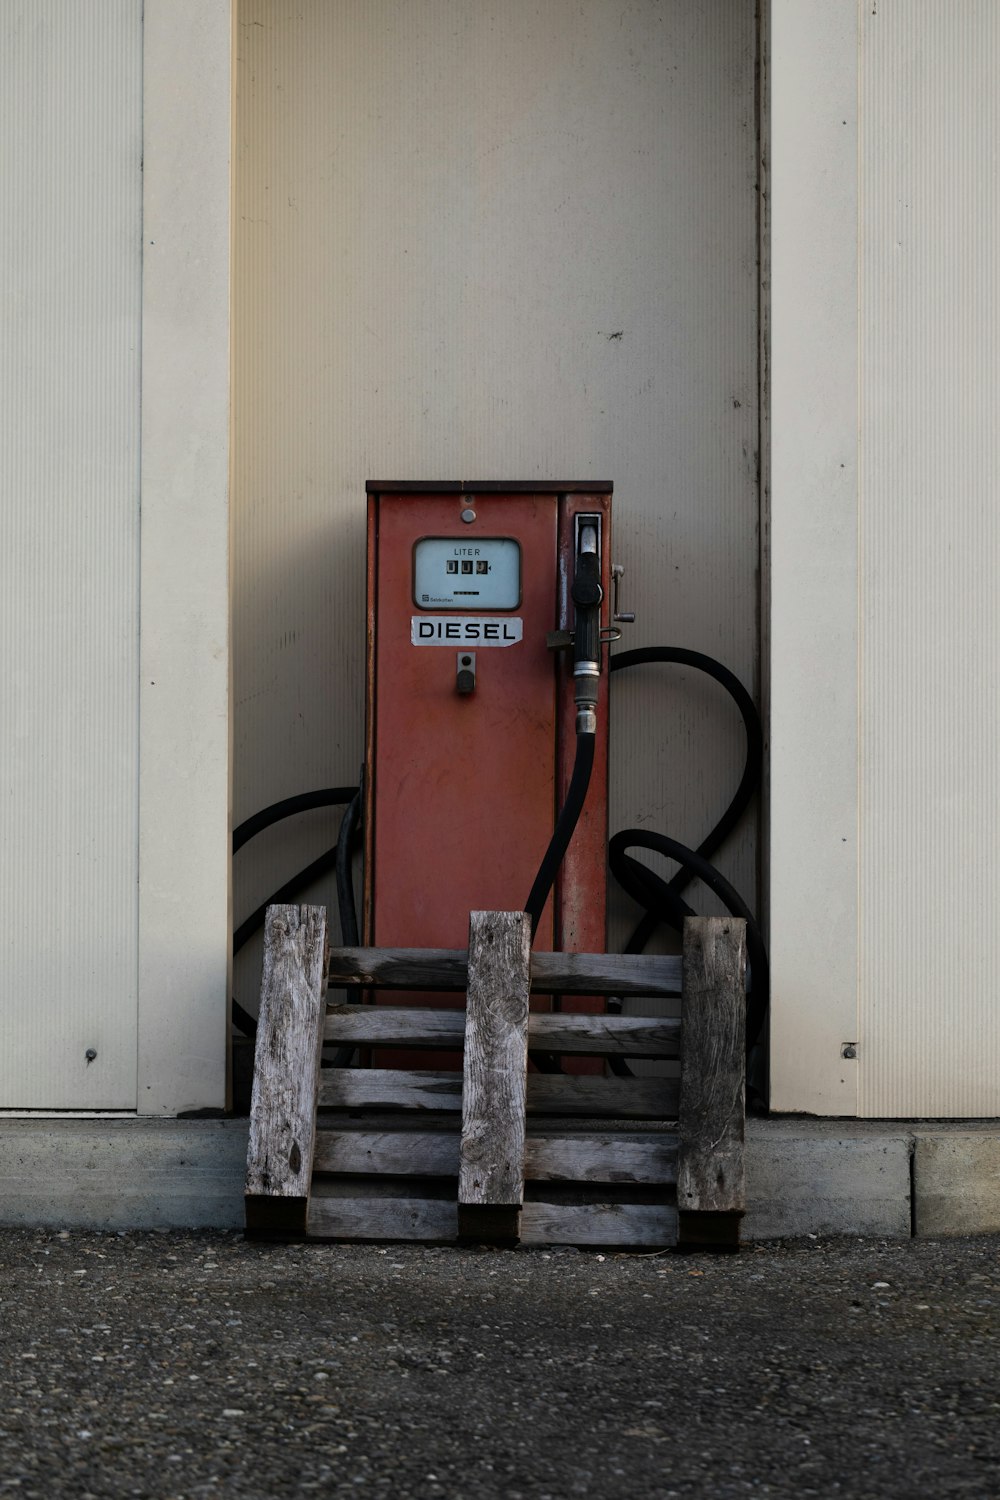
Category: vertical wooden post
<point>494,1086</point>
<point>286,1070</point>
<point>711,1178</point>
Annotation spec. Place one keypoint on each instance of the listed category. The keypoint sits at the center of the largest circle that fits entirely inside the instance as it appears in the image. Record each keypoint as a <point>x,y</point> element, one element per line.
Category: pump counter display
<point>449,573</point>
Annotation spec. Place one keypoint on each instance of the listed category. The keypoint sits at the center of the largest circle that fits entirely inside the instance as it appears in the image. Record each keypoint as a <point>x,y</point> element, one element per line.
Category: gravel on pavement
<point>187,1365</point>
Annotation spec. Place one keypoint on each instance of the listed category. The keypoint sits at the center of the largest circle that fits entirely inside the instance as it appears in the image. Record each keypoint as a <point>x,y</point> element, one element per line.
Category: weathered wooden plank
<point>387,1026</point>
<point>639,1224</point>
<point>548,1093</point>
<point>601,1158</point>
<point>286,1069</point>
<point>495,1074</point>
<point>397,1153</point>
<point>606,973</point>
<point>390,1088</point>
<point>571,1035</point>
<point>626,1036</point>
<point>551,973</point>
<point>710,1173</point>
<point>580,1157</point>
<point>399,968</point>
<point>603,1098</point>
<point>433,1219</point>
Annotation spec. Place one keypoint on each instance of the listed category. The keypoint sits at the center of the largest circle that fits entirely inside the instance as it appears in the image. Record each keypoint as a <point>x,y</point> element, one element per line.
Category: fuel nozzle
<point>587,595</point>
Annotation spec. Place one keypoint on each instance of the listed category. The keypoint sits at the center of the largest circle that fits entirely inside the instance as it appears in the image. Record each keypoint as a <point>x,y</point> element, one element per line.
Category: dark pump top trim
<point>489,487</point>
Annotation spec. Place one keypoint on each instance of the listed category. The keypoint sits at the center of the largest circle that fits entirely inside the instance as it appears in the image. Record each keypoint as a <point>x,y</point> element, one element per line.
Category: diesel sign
<point>464,630</point>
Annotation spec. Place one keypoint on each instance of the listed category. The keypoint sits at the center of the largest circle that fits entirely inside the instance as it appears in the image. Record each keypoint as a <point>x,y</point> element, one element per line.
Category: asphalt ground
<point>183,1365</point>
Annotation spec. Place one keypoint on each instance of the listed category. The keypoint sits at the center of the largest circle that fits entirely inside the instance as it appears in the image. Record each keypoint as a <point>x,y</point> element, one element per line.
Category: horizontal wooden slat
<point>600,1158</point>
<point>603,1098</point>
<point>648,1224</point>
<point>399,968</point>
<point>384,1026</point>
<point>541,1223</point>
<point>548,1093</point>
<point>627,1036</point>
<point>551,973</point>
<point>578,1157</point>
<point>382,1219</point>
<point>390,1088</point>
<point>398,1153</point>
<point>606,973</point>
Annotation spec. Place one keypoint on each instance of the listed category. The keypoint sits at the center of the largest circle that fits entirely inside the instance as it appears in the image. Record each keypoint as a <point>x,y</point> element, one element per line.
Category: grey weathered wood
<point>627,1036</point>
<point>399,968</point>
<point>495,1074</point>
<point>601,1158</point>
<point>710,1171</point>
<point>383,1219</point>
<point>606,973</point>
<point>570,1035</point>
<point>602,1098</point>
<point>385,1026</point>
<point>390,1088</point>
<point>579,1157</point>
<point>396,1153</point>
<point>435,1219</point>
<point>645,1224</point>
<point>286,1069</point>
<point>551,973</point>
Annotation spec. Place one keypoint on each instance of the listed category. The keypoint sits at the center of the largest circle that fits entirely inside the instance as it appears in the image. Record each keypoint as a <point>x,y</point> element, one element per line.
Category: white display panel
<point>478,573</point>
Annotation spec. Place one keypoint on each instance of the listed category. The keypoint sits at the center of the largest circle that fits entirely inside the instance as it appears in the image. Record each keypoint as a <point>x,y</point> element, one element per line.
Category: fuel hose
<point>662,900</point>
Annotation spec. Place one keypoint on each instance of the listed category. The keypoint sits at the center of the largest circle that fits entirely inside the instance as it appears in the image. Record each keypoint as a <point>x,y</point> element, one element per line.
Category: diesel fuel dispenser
<point>474,707</point>
<point>491,610</point>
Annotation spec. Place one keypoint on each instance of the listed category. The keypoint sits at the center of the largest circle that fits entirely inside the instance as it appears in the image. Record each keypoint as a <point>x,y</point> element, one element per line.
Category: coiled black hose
<point>662,899</point>
<point>749,781</point>
<point>338,858</point>
<point>330,796</point>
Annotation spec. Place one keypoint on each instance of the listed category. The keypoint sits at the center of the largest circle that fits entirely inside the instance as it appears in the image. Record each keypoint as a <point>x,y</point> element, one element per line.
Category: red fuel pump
<point>471,714</point>
<point>471,709</point>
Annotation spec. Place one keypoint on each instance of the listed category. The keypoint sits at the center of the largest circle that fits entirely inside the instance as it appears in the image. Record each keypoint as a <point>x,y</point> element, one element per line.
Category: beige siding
<point>114,738</point>
<point>885,613</point>
<point>930,542</point>
<point>184,748</point>
<point>813,533</point>
<point>71,145</point>
<point>492,242</point>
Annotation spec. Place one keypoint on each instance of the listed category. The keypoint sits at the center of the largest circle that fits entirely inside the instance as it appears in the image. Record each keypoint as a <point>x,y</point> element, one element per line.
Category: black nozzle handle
<point>587,595</point>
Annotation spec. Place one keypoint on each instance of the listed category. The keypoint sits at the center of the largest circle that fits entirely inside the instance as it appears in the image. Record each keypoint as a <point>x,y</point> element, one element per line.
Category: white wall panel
<point>930,538</point>
<point>814,554</point>
<point>492,242</point>
<point>886,552</point>
<point>70,205</point>
<point>184,748</point>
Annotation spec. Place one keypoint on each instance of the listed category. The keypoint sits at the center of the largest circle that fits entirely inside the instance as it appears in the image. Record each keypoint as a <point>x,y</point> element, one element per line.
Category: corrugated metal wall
<point>492,242</point>
<point>70,179</point>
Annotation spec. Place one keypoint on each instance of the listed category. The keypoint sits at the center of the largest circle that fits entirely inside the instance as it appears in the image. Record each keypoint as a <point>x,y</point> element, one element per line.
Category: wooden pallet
<point>497,1152</point>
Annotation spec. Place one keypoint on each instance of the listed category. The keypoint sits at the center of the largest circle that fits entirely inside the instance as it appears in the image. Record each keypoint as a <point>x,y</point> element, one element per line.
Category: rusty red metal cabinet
<point>462,786</point>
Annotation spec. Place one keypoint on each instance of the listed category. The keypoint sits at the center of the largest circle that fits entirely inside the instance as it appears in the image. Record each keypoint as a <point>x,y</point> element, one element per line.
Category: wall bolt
<point>90,1054</point>
<point>849,1050</point>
